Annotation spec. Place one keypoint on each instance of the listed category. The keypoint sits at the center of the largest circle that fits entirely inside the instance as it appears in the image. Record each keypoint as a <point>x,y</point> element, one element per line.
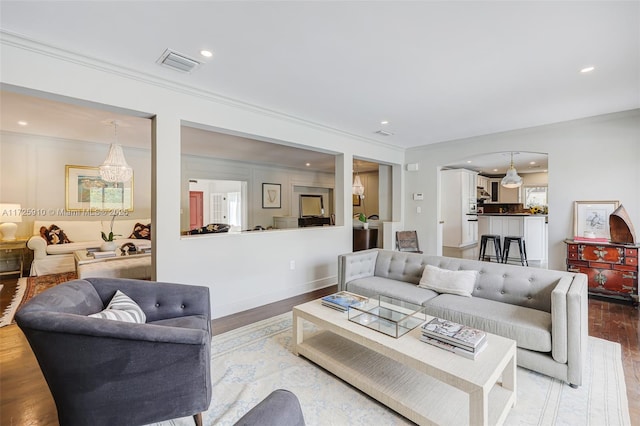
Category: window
<point>535,196</point>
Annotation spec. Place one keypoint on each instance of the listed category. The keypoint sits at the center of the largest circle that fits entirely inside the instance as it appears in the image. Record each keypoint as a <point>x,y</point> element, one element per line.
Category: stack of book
<point>453,337</point>
<point>102,254</point>
<point>343,300</point>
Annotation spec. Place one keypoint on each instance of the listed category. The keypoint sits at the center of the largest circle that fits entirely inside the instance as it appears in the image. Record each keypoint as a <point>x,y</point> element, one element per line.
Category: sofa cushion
<point>71,247</point>
<point>196,322</point>
<point>122,308</point>
<point>141,232</point>
<point>54,235</point>
<point>530,328</point>
<point>122,228</point>
<point>374,286</point>
<point>445,281</point>
<point>76,230</point>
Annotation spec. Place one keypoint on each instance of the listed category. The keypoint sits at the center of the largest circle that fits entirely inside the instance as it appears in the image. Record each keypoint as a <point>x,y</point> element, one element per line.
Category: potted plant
<point>362,218</point>
<point>109,244</point>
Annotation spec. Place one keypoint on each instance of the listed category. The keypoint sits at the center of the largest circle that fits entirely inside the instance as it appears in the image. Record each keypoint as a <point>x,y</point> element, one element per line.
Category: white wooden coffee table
<point>425,384</point>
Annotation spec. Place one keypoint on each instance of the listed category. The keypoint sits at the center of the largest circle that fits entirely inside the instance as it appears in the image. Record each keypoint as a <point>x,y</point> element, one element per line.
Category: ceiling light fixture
<point>384,122</point>
<point>22,123</point>
<point>307,164</point>
<point>587,69</point>
<point>358,187</point>
<point>206,53</point>
<point>511,180</point>
<point>115,167</point>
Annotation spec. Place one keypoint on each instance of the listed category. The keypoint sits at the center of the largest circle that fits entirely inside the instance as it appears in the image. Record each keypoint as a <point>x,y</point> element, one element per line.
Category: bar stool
<point>522,247</point>
<point>496,246</point>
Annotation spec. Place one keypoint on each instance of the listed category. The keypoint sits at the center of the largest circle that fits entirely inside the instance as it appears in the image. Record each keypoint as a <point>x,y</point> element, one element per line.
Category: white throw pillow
<point>446,281</point>
<point>122,308</point>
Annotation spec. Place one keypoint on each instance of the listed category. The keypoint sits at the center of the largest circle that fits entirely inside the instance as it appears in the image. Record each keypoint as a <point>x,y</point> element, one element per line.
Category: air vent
<point>177,61</point>
<point>384,133</point>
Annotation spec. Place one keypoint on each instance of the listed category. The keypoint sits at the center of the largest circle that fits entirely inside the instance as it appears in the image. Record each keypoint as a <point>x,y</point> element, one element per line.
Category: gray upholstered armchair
<point>105,372</point>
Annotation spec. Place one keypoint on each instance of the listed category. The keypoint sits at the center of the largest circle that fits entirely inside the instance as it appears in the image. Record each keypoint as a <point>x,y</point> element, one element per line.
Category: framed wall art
<point>271,196</point>
<point>85,190</point>
<point>591,218</point>
<point>356,200</point>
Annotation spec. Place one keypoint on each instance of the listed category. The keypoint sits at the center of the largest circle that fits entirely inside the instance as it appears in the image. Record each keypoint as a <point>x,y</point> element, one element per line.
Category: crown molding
<point>20,41</point>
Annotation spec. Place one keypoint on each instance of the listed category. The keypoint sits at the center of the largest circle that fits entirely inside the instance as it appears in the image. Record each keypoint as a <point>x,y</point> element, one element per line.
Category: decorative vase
<point>365,225</point>
<point>108,246</point>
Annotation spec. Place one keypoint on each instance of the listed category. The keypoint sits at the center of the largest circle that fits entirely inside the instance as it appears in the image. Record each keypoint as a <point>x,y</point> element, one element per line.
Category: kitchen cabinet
<point>612,269</point>
<point>532,227</point>
<point>459,208</point>
<point>483,182</point>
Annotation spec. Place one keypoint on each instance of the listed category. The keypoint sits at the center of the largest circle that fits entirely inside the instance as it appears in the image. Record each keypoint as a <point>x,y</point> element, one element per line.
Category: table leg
<point>479,407</point>
<point>509,378</point>
<point>298,332</point>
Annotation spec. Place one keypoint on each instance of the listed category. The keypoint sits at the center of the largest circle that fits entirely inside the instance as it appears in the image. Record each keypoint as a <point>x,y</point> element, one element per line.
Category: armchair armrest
<point>356,265</point>
<point>38,245</point>
<point>99,328</point>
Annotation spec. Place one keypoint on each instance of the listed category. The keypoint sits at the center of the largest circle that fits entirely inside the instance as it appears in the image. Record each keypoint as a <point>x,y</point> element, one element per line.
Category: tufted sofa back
<point>516,285</point>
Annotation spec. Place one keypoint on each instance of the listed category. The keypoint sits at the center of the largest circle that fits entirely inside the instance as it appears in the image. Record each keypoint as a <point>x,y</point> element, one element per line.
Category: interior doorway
<point>466,214</point>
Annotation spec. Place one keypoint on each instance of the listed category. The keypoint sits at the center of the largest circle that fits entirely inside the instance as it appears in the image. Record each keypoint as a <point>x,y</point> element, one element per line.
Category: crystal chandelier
<point>511,180</point>
<point>358,187</point>
<point>115,167</point>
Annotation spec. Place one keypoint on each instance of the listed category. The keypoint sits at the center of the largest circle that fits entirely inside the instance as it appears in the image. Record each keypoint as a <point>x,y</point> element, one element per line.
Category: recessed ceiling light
<point>384,122</point>
<point>587,69</point>
<point>22,123</point>
<point>468,161</point>
<point>532,162</point>
<point>495,170</point>
<point>206,53</point>
<point>307,164</point>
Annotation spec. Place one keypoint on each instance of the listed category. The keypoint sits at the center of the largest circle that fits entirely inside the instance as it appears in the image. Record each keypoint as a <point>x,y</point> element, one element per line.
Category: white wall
<point>242,271</point>
<point>32,172</point>
<point>596,158</point>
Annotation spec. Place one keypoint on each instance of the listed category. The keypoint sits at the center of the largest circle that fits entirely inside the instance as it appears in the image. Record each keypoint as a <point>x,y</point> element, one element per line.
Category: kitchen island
<point>532,227</point>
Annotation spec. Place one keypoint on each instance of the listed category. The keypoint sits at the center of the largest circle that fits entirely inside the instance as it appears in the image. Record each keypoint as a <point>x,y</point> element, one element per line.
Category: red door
<point>195,209</point>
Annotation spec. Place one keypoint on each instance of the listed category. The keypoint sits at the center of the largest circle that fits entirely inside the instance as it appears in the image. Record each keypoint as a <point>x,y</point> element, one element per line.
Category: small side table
<point>10,252</point>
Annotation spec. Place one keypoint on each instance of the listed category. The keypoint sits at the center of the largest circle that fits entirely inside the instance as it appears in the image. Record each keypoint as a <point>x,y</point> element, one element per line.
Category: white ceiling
<point>437,70</point>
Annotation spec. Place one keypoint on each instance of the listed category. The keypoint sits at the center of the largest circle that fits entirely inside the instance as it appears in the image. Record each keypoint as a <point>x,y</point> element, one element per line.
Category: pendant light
<point>511,180</point>
<point>358,187</point>
<point>115,167</point>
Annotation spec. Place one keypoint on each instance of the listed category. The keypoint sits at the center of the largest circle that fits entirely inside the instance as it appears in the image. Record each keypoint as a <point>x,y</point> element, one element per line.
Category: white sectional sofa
<point>544,311</point>
<point>57,258</point>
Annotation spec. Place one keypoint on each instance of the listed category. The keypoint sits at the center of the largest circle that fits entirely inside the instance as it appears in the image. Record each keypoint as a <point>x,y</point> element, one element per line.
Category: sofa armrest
<point>569,325</point>
<point>577,328</point>
<point>38,245</point>
<point>356,265</point>
<point>559,320</point>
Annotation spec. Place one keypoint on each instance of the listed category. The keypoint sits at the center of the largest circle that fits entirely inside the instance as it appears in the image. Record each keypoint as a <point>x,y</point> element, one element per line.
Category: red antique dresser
<point>612,268</point>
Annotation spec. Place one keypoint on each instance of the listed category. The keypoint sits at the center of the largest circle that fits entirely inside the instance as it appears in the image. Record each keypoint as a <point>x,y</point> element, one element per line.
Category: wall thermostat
<point>418,196</point>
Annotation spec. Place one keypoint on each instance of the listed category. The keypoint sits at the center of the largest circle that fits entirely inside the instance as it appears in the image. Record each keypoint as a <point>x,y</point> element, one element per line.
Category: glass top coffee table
<point>423,383</point>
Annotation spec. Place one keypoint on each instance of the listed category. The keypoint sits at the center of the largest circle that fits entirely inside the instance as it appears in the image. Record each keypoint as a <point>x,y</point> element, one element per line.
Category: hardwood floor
<point>25,399</point>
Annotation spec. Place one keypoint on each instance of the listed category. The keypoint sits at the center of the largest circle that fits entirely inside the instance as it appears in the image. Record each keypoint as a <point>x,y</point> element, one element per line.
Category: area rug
<point>29,287</point>
<point>250,362</point>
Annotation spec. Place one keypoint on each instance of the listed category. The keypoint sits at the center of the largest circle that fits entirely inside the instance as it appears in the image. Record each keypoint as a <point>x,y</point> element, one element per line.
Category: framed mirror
<point>311,205</point>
